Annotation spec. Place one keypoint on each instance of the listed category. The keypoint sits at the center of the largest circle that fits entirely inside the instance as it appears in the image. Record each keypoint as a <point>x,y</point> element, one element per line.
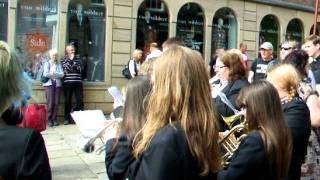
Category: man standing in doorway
<point>72,83</point>
<point>259,67</point>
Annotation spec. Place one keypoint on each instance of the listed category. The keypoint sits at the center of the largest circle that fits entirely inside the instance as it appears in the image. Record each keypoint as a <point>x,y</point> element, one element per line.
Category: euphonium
<point>231,141</point>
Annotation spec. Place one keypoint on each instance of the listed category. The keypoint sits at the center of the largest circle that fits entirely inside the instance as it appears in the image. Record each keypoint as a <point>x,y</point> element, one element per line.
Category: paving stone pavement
<point>67,160</point>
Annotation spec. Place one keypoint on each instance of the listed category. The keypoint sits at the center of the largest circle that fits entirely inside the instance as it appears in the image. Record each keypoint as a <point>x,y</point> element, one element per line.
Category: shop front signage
<point>37,42</point>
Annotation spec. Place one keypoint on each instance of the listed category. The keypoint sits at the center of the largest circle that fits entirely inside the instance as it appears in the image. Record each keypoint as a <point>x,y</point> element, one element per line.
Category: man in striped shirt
<point>72,83</point>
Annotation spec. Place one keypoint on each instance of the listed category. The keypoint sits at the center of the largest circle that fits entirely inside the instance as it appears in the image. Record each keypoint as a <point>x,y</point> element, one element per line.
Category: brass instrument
<point>231,141</point>
<point>232,119</point>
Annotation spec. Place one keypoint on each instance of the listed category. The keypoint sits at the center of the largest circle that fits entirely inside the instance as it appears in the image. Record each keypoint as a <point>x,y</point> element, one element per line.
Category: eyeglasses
<point>285,48</point>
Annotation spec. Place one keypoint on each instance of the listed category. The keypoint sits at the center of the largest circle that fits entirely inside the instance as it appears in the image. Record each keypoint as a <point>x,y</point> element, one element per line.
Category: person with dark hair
<point>23,154</point>
<point>180,137</point>
<point>72,83</point>
<point>285,78</point>
<point>119,150</point>
<point>266,150</point>
<point>172,41</point>
<point>230,69</point>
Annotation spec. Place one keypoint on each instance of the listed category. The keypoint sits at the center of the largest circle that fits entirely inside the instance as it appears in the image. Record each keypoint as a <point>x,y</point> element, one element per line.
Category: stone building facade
<point>112,29</point>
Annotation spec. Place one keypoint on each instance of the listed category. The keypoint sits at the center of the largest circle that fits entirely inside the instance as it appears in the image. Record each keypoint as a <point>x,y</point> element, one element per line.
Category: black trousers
<point>69,90</point>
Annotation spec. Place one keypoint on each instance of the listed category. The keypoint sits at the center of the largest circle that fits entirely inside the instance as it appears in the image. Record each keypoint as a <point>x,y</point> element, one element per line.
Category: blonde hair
<point>286,77</point>
<point>11,78</point>
<point>181,93</point>
<point>146,68</point>
<point>136,53</point>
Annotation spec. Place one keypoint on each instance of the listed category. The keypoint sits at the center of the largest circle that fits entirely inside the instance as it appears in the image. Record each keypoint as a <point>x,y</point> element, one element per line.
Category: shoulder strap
<point>225,100</point>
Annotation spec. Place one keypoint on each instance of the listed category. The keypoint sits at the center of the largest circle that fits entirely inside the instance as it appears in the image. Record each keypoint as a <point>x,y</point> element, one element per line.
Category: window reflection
<point>295,30</point>
<point>190,26</point>
<point>152,24</point>
<point>269,31</point>
<point>86,31</point>
<point>36,33</point>
<point>3,19</point>
<point>224,30</point>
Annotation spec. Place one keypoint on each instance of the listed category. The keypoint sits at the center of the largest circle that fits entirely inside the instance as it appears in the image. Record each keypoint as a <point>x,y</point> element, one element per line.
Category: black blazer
<point>298,118</point>
<point>231,91</point>
<point>167,158</point>
<point>117,160</point>
<point>250,161</point>
<point>23,154</point>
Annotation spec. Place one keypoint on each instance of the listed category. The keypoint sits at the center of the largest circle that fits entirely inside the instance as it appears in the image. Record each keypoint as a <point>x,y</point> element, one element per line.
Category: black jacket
<point>250,161</point>
<point>231,91</point>
<point>23,154</point>
<point>298,118</point>
<point>118,160</point>
<point>167,158</point>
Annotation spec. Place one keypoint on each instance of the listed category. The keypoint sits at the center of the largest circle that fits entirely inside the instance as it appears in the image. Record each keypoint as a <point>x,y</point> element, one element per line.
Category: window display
<point>3,19</point>
<point>269,31</point>
<point>295,30</point>
<point>86,31</point>
<point>36,33</point>
<point>152,24</point>
<point>190,26</point>
<point>224,30</point>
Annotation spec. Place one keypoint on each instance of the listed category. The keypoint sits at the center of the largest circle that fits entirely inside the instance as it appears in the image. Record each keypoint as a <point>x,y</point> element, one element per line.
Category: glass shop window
<point>269,31</point>
<point>295,30</point>
<point>224,30</point>
<point>3,20</point>
<point>152,25</point>
<point>190,26</point>
<point>36,33</point>
<point>86,31</point>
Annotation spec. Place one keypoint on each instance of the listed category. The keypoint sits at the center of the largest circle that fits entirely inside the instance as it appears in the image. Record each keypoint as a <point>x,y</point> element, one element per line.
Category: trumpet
<point>231,141</point>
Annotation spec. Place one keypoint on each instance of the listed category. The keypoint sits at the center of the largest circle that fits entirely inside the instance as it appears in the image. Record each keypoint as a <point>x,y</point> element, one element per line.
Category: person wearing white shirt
<point>154,52</point>
<point>135,62</point>
<point>53,70</point>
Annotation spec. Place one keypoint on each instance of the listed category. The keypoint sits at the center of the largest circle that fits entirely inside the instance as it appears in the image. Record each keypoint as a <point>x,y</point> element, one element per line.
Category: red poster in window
<point>37,42</point>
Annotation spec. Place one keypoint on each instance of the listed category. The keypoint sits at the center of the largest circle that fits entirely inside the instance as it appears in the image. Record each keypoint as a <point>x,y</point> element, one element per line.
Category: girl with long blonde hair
<point>180,137</point>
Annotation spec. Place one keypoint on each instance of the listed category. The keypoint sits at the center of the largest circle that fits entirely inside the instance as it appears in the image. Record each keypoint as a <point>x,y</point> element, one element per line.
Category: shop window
<point>86,31</point>
<point>152,24</point>
<point>36,33</point>
<point>3,19</point>
<point>190,26</point>
<point>224,30</point>
<point>269,31</point>
<point>295,30</point>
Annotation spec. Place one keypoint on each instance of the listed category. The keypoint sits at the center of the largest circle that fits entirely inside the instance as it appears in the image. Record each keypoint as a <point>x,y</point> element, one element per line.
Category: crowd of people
<point>175,110</point>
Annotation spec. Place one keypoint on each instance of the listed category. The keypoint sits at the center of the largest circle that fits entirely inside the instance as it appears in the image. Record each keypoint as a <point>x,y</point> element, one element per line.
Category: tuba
<point>230,142</point>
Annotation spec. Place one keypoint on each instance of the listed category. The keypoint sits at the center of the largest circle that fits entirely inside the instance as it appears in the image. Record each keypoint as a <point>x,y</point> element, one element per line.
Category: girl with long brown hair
<point>119,150</point>
<point>180,137</point>
<point>265,152</point>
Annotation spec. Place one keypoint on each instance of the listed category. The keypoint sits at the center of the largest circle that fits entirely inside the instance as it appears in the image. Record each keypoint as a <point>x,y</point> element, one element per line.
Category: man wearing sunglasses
<point>260,65</point>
